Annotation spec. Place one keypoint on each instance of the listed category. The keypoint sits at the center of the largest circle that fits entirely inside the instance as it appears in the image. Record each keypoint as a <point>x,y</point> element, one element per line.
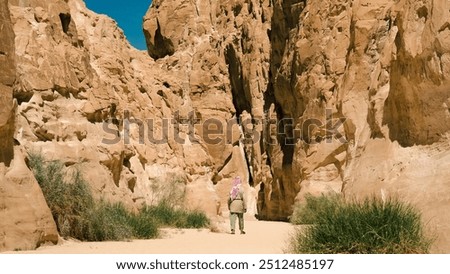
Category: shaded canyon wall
<point>343,96</point>
<point>294,96</point>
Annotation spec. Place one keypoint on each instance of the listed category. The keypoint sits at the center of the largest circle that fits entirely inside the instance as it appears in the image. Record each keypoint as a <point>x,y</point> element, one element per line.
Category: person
<point>237,205</point>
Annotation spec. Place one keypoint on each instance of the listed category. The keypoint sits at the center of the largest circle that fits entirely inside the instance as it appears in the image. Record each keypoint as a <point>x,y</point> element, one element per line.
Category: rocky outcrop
<point>87,97</point>
<point>326,86</point>
<point>26,221</point>
<point>7,76</point>
<point>221,58</point>
<point>366,82</point>
<point>90,100</point>
<point>294,96</point>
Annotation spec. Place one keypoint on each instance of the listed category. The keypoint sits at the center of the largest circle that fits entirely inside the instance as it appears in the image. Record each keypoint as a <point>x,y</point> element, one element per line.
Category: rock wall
<point>221,56</point>
<point>369,80</point>
<point>84,95</point>
<point>87,98</point>
<point>26,221</point>
<point>7,76</point>
<point>343,96</point>
<point>294,96</point>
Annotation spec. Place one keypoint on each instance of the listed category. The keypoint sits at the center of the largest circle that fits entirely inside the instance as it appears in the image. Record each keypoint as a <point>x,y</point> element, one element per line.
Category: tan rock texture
<point>294,96</point>
<point>379,65</point>
<point>26,221</point>
<point>358,92</point>
<point>88,96</point>
<point>7,76</point>
<point>222,57</point>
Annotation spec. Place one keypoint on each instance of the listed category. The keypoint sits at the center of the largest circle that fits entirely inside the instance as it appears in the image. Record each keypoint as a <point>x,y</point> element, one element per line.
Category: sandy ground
<point>260,238</point>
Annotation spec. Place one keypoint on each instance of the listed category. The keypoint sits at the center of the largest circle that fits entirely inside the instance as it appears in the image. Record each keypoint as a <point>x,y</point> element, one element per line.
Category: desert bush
<point>170,216</point>
<point>112,221</point>
<point>196,219</point>
<point>78,215</point>
<point>170,192</point>
<point>108,222</point>
<point>368,226</point>
<point>315,206</point>
<point>167,205</point>
<point>144,226</point>
<point>68,196</point>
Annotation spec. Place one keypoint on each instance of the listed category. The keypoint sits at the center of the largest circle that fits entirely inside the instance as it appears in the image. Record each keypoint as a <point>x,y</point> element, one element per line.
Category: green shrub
<point>109,222</point>
<point>68,196</point>
<point>309,212</point>
<point>162,213</point>
<point>170,192</point>
<point>370,226</point>
<point>197,219</point>
<point>112,221</point>
<point>144,226</point>
<point>167,215</point>
<point>78,215</point>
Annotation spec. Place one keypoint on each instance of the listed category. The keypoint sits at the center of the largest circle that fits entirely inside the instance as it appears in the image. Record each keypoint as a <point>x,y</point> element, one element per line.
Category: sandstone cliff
<point>7,77</point>
<point>85,97</point>
<point>295,96</point>
<point>26,221</point>
<point>358,89</point>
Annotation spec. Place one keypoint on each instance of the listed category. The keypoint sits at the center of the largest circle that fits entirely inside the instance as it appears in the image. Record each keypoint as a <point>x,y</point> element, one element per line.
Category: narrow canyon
<point>295,96</point>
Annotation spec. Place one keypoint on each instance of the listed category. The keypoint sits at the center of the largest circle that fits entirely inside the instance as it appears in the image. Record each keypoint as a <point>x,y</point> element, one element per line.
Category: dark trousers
<point>240,216</point>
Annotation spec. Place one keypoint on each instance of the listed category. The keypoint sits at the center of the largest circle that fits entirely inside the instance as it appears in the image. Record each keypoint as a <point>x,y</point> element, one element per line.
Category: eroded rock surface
<point>7,76</point>
<point>358,92</point>
<point>26,221</point>
<point>294,96</point>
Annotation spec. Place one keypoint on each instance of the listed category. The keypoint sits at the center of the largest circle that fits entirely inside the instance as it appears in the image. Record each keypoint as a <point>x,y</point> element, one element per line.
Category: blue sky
<point>128,14</point>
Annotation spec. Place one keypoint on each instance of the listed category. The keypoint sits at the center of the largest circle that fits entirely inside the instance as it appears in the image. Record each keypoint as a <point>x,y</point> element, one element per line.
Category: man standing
<point>237,205</point>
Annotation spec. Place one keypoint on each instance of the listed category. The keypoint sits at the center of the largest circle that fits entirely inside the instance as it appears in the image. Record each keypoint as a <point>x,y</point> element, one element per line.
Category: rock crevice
<point>294,96</point>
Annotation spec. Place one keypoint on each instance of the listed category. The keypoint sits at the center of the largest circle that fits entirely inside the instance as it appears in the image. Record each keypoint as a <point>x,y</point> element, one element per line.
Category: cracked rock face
<point>26,220</point>
<point>358,90</point>
<point>378,66</point>
<point>221,56</point>
<point>294,96</point>
<point>7,76</point>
